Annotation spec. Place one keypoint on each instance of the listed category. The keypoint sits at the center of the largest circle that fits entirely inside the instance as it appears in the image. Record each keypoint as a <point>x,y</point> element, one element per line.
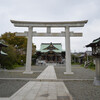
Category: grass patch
<point>75,63</point>
<point>82,65</point>
<point>16,65</point>
<point>89,66</point>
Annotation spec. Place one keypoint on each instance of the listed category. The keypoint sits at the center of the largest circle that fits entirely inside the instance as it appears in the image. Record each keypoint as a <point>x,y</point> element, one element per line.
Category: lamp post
<point>95,45</point>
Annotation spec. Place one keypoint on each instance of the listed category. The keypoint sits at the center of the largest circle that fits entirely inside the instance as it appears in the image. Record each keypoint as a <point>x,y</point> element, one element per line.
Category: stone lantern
<point>95,45</point>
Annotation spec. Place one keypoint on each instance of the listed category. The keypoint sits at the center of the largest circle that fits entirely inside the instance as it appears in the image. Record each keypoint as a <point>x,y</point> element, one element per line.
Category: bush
<point>16,65</point>
<point>21,59</point>
<point>91,65</point>
<point>8,61</point>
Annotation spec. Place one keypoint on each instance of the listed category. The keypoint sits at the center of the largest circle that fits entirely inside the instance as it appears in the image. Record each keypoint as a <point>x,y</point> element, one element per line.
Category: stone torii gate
<point>67,34</point>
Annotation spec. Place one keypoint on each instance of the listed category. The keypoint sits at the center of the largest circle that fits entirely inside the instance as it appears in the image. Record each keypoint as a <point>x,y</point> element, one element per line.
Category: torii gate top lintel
<point>51,24</point>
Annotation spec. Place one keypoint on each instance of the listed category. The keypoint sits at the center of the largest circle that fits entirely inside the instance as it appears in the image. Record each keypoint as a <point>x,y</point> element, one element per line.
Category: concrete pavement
<point>47,90</point>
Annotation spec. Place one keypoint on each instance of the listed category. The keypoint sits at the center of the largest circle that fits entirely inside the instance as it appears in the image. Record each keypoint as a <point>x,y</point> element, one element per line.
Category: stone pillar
<point>29,52</point>
<point>97,78</point>
<point>67,54</point>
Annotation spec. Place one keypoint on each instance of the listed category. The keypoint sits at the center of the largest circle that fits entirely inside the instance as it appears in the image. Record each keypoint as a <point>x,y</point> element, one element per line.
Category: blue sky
<point>53,10</point>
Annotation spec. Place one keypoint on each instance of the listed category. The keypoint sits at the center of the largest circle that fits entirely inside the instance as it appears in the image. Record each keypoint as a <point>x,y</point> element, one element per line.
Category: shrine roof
<point>2,45</point>
<point>57,49</point>
<point>95,42</point>
<point>3,53</point>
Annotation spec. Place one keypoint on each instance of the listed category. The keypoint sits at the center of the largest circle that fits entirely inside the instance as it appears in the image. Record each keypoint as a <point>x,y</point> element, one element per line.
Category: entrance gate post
<point>67,53</point>
<point>29,51</point>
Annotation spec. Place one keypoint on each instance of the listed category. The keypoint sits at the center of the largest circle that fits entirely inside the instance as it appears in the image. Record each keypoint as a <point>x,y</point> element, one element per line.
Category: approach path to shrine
<point>34,90</point>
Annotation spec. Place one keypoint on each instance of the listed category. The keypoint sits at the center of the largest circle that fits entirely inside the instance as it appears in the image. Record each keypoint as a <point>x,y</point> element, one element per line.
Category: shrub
<point>9,60</point>
<point>91,65</point>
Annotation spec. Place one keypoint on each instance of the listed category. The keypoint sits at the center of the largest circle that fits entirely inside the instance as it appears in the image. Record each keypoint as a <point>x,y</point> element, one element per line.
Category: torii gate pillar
<point>29,52</point>
<point>67,54</point>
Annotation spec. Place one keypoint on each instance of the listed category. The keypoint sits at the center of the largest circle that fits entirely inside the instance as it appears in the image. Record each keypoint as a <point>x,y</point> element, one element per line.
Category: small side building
<point>95,45</point>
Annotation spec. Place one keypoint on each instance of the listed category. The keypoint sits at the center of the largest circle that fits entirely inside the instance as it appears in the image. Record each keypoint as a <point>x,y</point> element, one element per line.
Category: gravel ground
<point>34,68</point>
<point>15,74</point>
<point>79,73</point>
<point>9,87</point>
<point>83,90</point>
<point>4,74</point>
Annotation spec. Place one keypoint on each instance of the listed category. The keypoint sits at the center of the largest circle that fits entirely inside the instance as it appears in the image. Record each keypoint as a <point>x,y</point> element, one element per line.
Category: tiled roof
<point>2,45</point>
<point>56,45</point>
<point>95,42</point>
<point>3,53</point>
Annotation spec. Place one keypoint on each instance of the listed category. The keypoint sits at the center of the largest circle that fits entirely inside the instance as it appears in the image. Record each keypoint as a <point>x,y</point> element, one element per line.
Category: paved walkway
<point>48,73</point>
<point>43,90</point>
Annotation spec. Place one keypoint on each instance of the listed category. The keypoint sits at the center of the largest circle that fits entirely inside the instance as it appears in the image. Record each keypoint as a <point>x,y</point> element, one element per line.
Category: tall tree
<point>19,42</point>
<point>20,45</point>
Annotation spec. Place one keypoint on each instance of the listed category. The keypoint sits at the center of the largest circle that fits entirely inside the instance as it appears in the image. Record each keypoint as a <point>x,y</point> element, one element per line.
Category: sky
<point>53,10</point>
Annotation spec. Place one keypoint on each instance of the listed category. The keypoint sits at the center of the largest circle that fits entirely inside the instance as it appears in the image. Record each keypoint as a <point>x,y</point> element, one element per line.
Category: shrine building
<point>51,52</point>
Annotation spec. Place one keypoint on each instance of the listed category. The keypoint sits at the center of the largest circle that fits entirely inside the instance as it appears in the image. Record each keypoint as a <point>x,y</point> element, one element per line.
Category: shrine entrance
<point>52,57</point>
<point>67,34</point>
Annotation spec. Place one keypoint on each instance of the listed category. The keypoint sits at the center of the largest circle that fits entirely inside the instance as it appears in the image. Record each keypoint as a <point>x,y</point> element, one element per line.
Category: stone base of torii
<point>67,34</point>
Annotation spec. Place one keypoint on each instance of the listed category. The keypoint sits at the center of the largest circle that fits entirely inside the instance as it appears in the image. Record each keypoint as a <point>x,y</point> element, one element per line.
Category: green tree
<point>17,41</point>
<point>20,45</point>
